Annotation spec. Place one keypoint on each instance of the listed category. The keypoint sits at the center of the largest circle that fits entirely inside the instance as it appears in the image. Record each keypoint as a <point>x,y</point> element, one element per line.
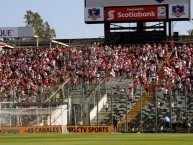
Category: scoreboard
<point>101,11</point>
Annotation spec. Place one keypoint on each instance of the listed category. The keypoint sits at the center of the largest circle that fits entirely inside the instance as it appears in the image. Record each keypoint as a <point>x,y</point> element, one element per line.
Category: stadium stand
<point>30,76</point>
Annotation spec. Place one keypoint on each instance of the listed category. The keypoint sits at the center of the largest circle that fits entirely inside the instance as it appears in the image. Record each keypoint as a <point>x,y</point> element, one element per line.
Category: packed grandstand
<point>162,71</point>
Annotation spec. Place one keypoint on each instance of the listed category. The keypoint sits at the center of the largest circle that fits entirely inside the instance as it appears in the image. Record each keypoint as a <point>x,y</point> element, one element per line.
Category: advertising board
<point>55,130</point>
<point>15,32</point>
<point>7,32</point>
<point>136,13</point>
<point>177,10</point>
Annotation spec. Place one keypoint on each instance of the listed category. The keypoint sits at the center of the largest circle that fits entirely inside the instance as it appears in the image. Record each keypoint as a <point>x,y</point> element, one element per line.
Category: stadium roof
<point>25,43</point>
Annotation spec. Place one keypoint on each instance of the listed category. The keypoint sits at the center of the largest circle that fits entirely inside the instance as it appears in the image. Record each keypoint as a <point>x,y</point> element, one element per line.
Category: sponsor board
<point>178,11</point>
<point>94,14</point>
<point>136,13</point>
<point>55,130</point>
<point>7,32</point>
<point>15,32</point>
<point>31,130</point>
<point>89,129</point>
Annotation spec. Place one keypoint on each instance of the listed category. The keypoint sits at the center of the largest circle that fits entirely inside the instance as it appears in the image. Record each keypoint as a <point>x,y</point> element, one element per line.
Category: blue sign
<point>178,10</point>
<point>94,13</point>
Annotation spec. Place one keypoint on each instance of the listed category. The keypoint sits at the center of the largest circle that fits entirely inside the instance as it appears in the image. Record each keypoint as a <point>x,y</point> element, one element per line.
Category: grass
<point>98,139</point>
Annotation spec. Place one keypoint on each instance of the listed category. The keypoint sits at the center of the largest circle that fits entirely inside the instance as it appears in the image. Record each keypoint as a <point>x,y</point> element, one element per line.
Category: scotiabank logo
<point>135,13</point>
<point>111,15</point>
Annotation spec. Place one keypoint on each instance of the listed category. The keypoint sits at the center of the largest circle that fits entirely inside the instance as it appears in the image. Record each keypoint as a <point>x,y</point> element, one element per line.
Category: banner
<point>7,32</point>
<point>31,130</point>
<point>55,130</point>
<point>136,13</point>
<point>89,129</point>
<point>15,32</point>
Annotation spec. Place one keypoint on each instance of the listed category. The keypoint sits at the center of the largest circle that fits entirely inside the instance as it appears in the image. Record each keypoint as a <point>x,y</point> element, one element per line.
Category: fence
<point>32,116</point>
<point>89,101</point>
<point>158,112</point>
<point>40,97</point>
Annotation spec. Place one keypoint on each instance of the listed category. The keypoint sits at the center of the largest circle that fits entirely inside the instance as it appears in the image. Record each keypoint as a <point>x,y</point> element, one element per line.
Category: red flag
<point>34,86</point>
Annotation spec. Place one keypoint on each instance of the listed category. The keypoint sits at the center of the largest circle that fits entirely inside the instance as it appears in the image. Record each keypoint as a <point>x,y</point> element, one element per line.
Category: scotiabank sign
<point>136,13</point>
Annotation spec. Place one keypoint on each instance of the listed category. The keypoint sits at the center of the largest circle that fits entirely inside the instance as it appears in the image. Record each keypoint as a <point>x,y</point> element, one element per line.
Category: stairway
<point>146,100</point>
<point>104,117</point>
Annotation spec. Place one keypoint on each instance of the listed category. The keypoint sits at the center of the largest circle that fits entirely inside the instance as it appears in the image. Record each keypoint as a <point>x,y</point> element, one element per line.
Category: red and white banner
<point>136,13</point>
<point>2,45</point>
<point>34,86</point>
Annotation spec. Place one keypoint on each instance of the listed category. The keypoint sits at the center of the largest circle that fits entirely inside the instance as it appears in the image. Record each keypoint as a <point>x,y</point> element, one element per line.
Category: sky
<point>65,16</point>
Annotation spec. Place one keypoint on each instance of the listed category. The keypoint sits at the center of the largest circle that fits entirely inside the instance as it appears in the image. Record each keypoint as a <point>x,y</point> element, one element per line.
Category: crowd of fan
<point>175,80</point>
<point>25,73</point>
<point>179,71</point>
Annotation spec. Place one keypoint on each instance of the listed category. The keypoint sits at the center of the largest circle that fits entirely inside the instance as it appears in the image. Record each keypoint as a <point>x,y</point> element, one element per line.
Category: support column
<point>141,117</point>
<point>156,113</point>
<point>170,29</point>
<point>111,107</point>
<point>141,26</point>
<point>185,89</point>
<point>107,32</point>
<point>97,98</point>
<point>69,110</point>
<point>126,98</point>
<point>85,108</point>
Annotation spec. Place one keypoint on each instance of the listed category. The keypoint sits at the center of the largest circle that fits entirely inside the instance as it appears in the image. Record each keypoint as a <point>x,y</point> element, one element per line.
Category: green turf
<point>108,139</point>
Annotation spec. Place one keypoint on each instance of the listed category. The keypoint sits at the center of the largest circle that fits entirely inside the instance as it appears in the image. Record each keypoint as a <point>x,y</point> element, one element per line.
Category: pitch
<point>96,139</point>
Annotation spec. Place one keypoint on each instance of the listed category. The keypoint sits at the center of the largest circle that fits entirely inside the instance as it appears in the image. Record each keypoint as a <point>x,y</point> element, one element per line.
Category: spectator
<point>166,123</point>
<point>107,106</point>
<point>115,124</point>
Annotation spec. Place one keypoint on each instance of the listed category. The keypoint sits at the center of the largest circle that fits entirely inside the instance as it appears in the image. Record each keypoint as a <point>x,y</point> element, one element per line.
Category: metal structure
<point>32,116</point>
<point>133,21</point>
